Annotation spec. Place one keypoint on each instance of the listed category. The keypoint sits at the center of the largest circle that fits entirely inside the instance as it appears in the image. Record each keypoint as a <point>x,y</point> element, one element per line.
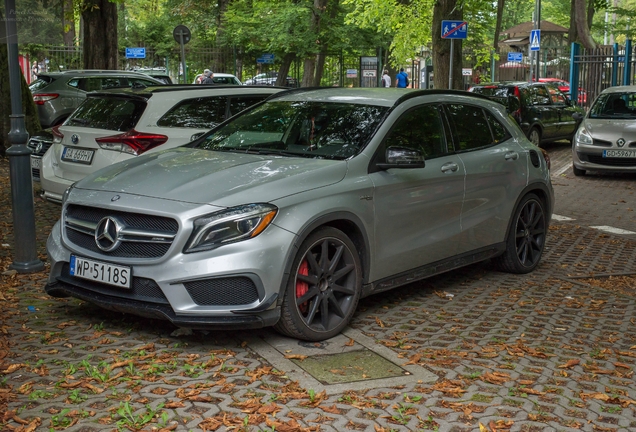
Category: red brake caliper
<point>302,287</point>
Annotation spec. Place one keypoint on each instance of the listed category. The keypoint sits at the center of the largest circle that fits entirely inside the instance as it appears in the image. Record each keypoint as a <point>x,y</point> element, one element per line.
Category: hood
<point>218,178</point>
<point>611,129</point>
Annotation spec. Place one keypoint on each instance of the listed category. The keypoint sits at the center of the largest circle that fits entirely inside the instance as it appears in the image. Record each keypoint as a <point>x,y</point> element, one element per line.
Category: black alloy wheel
<point>526,239</point>
<point>324,287</point>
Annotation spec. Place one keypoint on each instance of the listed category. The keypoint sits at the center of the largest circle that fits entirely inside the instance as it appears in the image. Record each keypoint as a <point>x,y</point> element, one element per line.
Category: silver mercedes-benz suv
<point>290,212</point>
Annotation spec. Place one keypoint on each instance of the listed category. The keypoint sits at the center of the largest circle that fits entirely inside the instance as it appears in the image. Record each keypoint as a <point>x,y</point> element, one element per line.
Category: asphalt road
<point>554,350</point>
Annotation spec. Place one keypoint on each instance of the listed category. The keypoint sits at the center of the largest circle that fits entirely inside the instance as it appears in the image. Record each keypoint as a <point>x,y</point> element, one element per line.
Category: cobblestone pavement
<point>551,351</point>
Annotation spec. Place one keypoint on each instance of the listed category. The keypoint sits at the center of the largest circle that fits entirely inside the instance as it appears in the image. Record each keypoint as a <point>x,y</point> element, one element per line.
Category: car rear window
<point>493,91</point>
<point>40,83</point>
<point>111,113</point>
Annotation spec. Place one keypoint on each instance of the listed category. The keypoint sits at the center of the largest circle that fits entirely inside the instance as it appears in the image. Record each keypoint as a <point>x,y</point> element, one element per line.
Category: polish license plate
<point>36,162</point>
<point>98,271</point>
<point>619,154</point>
<point>77,155</point>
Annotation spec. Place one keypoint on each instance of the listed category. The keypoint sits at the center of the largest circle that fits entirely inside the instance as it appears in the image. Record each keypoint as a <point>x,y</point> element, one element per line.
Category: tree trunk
<point>100,35</point>
<point>221,60</point>
<point>500,8</point>
<point>68,23</point>
<point>582,28</point>
<point>28,106</point>
<point>283,72</point>
<point>573,35</point>
<point>446,10</point>
<point>309,71</point>
<point>320,66</point>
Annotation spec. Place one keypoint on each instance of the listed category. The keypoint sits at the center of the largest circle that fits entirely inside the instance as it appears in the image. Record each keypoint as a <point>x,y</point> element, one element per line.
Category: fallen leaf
<point>570,363</point>
<point>296,357</point>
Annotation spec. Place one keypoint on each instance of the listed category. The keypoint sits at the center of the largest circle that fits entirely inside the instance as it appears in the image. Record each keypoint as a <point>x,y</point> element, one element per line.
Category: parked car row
<point>244,207</point>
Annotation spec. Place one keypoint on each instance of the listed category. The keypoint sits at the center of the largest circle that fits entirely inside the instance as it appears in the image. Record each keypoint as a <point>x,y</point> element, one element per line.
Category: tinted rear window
<point>40,83</point>
<point>196,113</point>
<point>111,113</point>
<point>493,91</point>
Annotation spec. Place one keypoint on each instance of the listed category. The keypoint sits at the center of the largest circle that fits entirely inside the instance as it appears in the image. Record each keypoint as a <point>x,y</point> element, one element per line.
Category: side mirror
<point>401,157</point>
<point>577,116</point>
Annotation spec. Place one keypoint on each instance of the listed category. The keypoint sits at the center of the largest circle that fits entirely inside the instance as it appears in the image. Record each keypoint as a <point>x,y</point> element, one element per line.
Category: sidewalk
<point>551,351</point>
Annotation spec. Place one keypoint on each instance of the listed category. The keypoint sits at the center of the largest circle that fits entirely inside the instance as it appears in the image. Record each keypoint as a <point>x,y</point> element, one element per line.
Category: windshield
<point>305,129</point>
<point>614,105</point>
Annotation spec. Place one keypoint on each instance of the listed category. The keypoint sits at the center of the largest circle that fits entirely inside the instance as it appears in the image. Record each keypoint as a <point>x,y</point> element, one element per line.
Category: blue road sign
<point>136,53</point>
<point>515,57</point>
<point>266,58</point>
<point>454,29</point>
<point>535,40</point>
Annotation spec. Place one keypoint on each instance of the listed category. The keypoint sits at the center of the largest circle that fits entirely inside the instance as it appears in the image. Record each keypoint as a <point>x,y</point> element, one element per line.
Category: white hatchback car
<point>109,127</point>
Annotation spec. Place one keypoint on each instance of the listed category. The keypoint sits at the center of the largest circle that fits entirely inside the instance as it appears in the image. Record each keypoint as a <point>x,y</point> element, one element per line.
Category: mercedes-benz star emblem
<point>115,198</point>
<point>107,234</point>
<point>74,138</point>
<point>38,148</point>
<point>620,142</point>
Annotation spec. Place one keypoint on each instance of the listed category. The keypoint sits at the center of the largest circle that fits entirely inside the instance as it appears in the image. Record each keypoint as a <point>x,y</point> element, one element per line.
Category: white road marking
<point>561,218</point>
<point>561,170</point>
<point>613,230</point>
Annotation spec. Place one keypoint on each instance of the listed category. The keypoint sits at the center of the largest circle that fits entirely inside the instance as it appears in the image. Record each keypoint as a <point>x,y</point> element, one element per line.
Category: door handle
<point>449,167</point>
<point>511,155</point>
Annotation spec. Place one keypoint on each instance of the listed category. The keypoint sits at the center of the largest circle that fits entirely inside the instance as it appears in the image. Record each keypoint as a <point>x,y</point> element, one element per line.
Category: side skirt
<point>432,269</point>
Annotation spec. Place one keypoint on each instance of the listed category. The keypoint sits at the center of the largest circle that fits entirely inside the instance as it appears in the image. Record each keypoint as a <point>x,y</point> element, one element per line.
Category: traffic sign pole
<point>450,71</point>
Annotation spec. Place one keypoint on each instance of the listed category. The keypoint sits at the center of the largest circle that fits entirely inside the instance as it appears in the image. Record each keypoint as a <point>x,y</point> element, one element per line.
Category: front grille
<point>34,141</point>
<point>128,248</point>
<point>222,291</point>
<point>621,162</point>
<point>141,289</point>
<point>601,143</point>
<point>35,173</point>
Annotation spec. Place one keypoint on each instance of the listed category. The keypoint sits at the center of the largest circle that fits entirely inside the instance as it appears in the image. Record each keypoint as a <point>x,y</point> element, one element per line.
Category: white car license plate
<point>619,154</point>
<point>36,162</point>
<point>110,274</point>
<point>77,155</point>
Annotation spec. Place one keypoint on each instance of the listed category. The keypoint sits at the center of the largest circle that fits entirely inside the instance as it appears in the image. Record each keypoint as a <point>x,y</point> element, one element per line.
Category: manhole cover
<point>350,366</point>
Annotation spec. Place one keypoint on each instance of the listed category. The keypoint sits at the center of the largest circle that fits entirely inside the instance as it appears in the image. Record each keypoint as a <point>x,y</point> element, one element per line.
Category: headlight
<point>583,137</point>
<point>66,193</point>
<point>229,226</point>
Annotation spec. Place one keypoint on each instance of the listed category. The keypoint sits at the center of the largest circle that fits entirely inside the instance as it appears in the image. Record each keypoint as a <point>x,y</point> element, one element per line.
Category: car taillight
<point>546,157</point>
<point>132,142</point>
<point>57,135</point>
<point>39,99</point>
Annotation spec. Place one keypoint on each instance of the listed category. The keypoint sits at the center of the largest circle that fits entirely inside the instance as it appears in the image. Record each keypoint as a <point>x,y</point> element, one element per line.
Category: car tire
<point>577,171</point>
<point>535,136</point>
<point>324,287</point>
<point>526,237</point>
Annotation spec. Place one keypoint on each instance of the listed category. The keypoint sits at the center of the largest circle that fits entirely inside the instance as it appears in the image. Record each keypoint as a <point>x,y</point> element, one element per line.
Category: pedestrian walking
<point>207,77</point>
<point>402,79</point>
<point>386,79</point>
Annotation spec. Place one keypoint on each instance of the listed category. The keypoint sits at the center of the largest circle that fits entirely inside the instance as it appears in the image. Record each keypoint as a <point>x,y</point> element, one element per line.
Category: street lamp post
<point>25,254</point>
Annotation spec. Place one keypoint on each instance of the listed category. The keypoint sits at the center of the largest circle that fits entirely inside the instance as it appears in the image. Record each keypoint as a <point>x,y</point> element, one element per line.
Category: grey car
<point>290,212</point>
<point>606,139</point>
<point>57,94</point>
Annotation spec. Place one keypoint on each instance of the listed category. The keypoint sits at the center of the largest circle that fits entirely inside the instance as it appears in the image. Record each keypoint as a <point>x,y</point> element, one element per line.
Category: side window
<point>499,131</point>
<point>238,104</point>
<point>419,129</point>
<point>196,113</point>
<point>140,82</point>
<point>556,96</point>
<point>471,127</point>
<point>73,83</point>
<point>541,95</point>
<point>90,84</point>
<point>107,83</point>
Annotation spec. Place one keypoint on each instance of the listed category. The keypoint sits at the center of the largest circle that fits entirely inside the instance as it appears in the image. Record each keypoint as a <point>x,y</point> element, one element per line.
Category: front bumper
<point>202,289</point>
<point>589,157</point>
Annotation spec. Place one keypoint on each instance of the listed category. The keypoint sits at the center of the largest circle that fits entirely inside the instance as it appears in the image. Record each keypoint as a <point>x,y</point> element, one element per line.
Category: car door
<point>547,114</point>
<point>496,171</point>
<point>567,123</point>
<point>417,210</point>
